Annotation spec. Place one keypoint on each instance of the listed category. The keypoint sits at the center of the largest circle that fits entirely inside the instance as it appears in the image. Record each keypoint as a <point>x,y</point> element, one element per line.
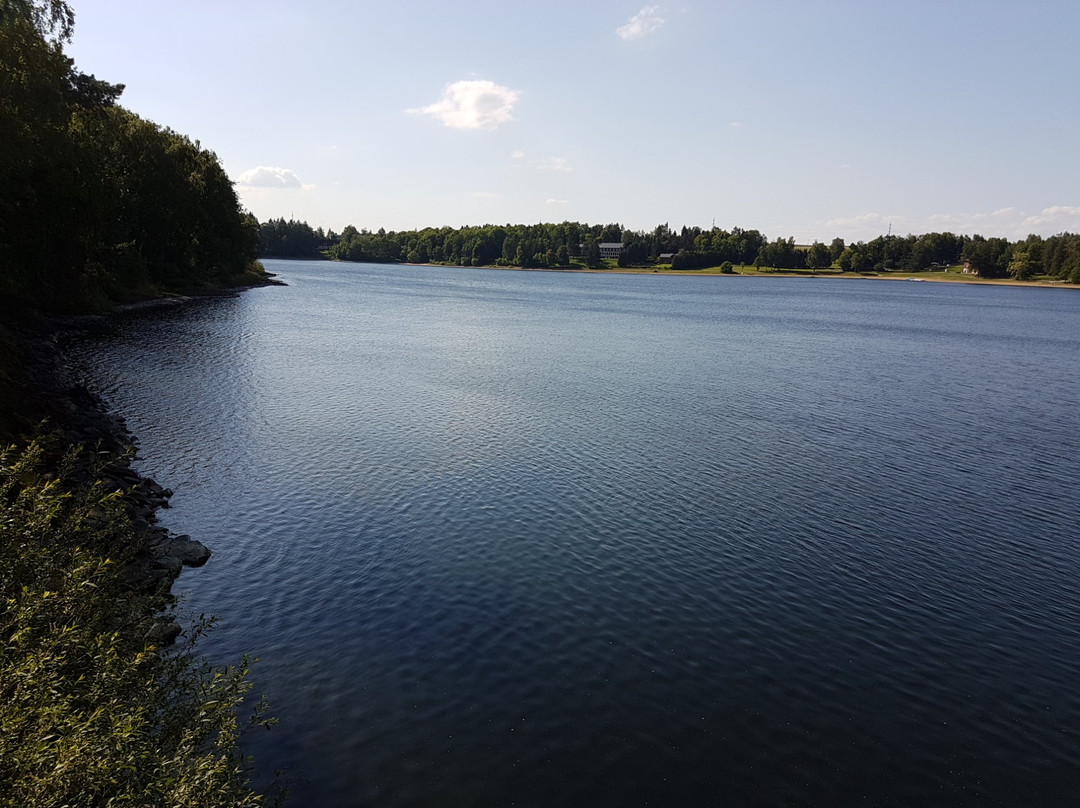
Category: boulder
<point>190,552</point>
<point>163,632</point>
<point>171,564</point>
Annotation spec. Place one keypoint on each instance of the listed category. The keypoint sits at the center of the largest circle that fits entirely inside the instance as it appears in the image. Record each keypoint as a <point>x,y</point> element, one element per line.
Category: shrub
<point>91,712</point>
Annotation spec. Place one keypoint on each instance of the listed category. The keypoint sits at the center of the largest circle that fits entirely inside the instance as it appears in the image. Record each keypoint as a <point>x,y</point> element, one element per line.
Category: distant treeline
<point>96,203</point>
<point>576,244</point>
<point>291,239</point>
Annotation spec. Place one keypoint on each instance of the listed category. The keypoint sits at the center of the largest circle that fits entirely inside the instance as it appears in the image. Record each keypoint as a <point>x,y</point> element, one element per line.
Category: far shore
<point>934,277</point>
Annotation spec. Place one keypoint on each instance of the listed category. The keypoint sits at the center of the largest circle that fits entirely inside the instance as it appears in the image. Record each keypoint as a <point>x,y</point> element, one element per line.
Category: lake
<point>531,538</point>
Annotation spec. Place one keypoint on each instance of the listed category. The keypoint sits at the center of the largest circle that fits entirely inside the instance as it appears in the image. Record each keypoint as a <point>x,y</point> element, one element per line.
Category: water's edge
<point>486,513</point>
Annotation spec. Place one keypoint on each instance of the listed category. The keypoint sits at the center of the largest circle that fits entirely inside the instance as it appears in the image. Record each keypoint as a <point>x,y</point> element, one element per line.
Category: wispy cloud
<point>1008,222</point>
<point>556,164</point>
<point>645,22</point>
<point>476,104</point>
<point>861,220</point>
<point>994,223</point>
<point>269,177</point>
<point>557,202</point>
<point>736,125</point>
<point>1058,217</point>
<point>560,164</point>
<point>1013,222</point>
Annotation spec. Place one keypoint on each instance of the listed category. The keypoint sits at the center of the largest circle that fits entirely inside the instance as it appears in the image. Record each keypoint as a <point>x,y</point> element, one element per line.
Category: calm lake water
<point>538,539</point>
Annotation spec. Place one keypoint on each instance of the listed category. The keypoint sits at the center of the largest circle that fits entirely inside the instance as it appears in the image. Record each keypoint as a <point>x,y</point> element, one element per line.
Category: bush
<point>91,712</point>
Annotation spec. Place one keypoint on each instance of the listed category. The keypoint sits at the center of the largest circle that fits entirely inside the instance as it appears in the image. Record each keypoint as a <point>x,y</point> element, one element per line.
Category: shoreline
<point>56,402</point>
<point>267,279</point>
<point>115,648</point>
<point>81,418</point>
<point>968,280</point>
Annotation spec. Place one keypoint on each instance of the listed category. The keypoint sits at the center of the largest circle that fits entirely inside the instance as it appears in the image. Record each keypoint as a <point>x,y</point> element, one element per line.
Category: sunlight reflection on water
<point>534,538</point>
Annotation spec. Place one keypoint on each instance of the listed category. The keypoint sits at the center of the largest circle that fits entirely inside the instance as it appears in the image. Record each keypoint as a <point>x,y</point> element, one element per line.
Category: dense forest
<point>97,206</point>
<point>575,244</point>
<point>96,203</point>
<point>291,239</point>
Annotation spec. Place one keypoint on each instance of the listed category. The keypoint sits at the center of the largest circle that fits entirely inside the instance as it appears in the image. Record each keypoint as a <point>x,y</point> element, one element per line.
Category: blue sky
<point>804,119</point>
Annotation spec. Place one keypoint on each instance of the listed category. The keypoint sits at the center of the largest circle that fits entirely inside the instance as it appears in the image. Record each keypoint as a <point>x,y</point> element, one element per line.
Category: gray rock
<point>163,632</point>
<point>171,564</point>
<point>146,577</point>
<point>155,537</point>
<point>190,552</point>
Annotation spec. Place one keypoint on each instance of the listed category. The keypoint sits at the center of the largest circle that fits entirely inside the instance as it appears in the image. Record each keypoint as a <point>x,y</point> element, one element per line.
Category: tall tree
<point>1020,266</point>
<point>592,255</point>
<point>817,257</point>
<point>95,202</point>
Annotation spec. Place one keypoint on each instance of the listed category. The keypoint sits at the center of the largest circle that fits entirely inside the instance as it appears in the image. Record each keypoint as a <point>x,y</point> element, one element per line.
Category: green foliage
<point>818,256</point>
<point>554,245</point>
<point>1060,255</point>
<point>95,202</point>
<point>50,19</point>
<point>548,245</point>
<point>688,259</point>
<point>782,254</point>
<point>1021,266</point>
<point>592,255</point>
<point>291,239</point>
<point>836,248</point>
<point>989,256</point>
<point>635,251</point>
<point>699,248</point>
<point>91,713</point>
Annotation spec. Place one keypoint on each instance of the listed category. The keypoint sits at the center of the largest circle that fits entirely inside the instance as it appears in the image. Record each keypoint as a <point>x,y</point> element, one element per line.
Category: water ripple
<point>541,539</point>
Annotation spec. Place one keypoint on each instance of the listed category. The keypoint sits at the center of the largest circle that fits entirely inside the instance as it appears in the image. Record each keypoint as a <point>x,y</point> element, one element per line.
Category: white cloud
<point>557,202</point>
<point>861,219</point>
<point>555,164</point>
<point>736,124</point>
<point>477,104</point>
<point>269,177</point>
<point>517,155</point>
<point>1000,222</point>
<point>1058,218</point>
<point>946,220</point>
<point>641,24</point>
<point>1010,222</point>
<point>1061,210</point>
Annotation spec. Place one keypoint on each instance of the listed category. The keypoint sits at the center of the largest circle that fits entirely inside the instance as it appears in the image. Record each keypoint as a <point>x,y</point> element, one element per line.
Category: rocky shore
<point>57,398</point>
<point>162,554</point>
<point>39,386</point>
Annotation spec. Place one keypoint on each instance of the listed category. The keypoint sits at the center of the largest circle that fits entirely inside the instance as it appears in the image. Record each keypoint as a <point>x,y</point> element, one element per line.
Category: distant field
<point>951,274</point>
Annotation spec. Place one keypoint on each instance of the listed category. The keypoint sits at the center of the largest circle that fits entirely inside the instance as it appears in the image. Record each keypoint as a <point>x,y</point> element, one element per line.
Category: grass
<point>952,274</point>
